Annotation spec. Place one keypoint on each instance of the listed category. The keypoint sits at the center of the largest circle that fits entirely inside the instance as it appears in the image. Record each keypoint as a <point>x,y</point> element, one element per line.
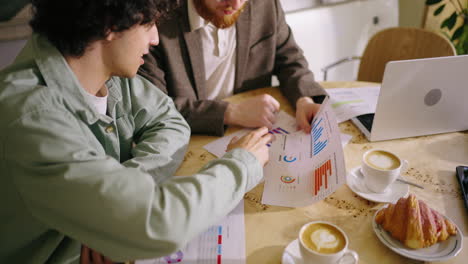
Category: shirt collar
<point>196,21</point>
<point>58,75</point>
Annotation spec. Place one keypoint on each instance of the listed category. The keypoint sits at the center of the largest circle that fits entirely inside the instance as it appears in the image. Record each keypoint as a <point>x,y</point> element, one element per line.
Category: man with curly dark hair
<point>88,148</point>
<point>216,48</point>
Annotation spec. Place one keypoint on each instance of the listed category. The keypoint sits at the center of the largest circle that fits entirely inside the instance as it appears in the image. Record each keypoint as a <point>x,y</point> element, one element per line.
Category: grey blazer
<point>265,47</point>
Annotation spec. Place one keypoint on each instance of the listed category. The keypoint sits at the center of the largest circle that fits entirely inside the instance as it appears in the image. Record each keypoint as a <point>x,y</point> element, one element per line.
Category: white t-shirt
<point>99,102</point>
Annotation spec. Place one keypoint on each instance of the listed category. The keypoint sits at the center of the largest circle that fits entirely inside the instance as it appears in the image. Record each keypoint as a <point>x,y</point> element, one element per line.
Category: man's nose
<point>154,41</point>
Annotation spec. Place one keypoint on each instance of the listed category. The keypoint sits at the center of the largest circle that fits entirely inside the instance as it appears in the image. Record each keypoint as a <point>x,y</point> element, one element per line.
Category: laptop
<point>419,97</point>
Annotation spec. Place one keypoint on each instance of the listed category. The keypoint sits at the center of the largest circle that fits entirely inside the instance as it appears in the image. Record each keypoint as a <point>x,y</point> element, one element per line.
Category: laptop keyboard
<point>366,120</point>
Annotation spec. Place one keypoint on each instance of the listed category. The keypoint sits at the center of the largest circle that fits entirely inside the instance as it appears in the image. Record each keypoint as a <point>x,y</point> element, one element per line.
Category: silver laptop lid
<point>422,97</point>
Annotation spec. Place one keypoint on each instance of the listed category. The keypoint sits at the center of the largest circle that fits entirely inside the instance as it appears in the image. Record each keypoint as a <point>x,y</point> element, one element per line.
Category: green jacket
<point>70,176</point>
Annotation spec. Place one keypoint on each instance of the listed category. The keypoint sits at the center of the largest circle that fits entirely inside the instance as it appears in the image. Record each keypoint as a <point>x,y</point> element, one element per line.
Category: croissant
<point>413,223</point>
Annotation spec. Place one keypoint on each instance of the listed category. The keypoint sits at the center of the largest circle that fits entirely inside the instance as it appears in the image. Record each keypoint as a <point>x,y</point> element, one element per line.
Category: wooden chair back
<point>400,43</point>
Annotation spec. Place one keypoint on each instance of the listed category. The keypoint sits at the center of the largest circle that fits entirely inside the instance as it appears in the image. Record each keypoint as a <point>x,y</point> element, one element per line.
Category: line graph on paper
<point>278,131</point>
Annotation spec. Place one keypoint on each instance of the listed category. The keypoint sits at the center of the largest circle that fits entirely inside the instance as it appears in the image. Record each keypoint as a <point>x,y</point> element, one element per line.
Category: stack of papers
<point>351,102</point>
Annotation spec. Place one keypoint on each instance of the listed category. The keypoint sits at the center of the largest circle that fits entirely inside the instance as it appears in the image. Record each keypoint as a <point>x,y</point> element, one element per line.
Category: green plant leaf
<point>432,2</point>
<point>462,48</point>
<point>450,21</point>
<point>458,32</point>
<point>464,40</point>
<point>439,10</point>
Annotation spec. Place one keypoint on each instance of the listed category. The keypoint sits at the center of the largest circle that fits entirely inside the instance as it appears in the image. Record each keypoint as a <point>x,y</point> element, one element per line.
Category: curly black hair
<point>71,25</point>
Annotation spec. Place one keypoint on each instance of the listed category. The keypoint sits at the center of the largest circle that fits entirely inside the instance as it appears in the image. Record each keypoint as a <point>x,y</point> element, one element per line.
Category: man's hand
<point>254,142</point>
<point>89,256</point>
<point>254,112</point>
<point>305,111</point>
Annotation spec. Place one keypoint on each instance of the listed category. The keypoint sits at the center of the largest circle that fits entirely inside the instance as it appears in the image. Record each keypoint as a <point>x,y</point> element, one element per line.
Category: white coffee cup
<point>325,243</point>
<point>381,168</point>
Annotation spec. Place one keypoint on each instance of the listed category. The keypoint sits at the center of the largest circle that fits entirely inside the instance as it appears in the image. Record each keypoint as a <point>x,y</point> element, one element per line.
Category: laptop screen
<point>366,120</point>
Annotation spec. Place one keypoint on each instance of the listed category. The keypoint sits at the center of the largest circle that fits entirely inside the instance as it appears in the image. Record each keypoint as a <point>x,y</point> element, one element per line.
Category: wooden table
<point>432,162</point>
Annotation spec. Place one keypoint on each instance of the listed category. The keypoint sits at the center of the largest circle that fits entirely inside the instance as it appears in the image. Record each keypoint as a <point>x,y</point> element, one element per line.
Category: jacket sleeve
<point>203,116</point>
<point>71,186</point>
<point>291,67</point>
<point>161,134</point>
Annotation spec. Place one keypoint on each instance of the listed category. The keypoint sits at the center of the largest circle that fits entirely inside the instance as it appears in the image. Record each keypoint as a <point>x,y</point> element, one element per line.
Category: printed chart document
<point>351,102</point>
<point>303,168</point>
<point>220,244</point>
<point>285,124</point>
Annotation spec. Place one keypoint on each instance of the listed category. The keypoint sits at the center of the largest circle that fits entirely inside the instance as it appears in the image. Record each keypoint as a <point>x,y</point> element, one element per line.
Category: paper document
<point>223,243</point>
<point>351,102</point>
<point>306,168</point>
<point>285,124</point>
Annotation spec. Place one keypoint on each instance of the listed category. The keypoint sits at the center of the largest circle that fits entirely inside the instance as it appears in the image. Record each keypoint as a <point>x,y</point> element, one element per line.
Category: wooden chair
<point>397,43</point>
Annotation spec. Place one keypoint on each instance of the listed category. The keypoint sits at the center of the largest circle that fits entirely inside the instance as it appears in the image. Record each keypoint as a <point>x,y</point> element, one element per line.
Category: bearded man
<point>216,48</point>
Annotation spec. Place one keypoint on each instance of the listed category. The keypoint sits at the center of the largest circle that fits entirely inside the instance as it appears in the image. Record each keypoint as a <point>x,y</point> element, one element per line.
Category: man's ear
<point>110,35</point>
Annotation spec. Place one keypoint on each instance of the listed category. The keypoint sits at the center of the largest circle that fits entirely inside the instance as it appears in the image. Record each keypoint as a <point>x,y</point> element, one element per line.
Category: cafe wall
<point>411,13</point>
<point>326,29</point>
<point>333,30</point>
<point>14,31</point>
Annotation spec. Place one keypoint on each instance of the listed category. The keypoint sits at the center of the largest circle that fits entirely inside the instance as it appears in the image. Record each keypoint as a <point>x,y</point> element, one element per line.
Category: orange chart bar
<point>320,176</point>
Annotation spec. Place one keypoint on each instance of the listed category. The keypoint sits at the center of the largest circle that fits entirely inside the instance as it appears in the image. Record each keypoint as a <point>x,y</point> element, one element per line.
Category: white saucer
<point>291,254</point>
<point>355,181</point>
<point>440,251</point>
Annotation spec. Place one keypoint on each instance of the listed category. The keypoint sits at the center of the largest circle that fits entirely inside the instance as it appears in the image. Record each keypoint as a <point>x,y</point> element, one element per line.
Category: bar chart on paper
<point>217,245</point>
<point>278,131</point>
<point>206,248</point>
<point>306,168</point>
<point>285,125</point>
<point>319,139</point>
<point>321,175</point>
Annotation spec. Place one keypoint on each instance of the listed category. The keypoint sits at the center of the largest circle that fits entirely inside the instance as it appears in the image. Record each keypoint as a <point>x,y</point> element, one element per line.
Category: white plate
<point>355,181</point>
<point>291,254</point>
<point>438,252</point>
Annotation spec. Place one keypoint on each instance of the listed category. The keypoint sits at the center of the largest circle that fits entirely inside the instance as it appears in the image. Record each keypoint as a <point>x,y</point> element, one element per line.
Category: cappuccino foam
<point>323,238</point>
<point>382,160</point>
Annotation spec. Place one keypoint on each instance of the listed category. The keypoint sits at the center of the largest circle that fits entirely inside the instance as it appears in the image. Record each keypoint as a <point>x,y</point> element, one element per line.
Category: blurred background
<point>327,30</point>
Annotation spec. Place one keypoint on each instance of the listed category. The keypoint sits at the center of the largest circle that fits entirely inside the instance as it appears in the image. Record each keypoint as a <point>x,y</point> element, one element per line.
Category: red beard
<point>219,22</point>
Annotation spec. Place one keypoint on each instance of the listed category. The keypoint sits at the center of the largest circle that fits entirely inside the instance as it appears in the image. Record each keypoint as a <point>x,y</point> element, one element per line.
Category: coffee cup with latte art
<point>381,168</point>
<point>325,243</point>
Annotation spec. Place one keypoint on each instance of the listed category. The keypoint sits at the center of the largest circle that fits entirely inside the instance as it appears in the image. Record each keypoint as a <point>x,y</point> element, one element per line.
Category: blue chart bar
<point>314,126</point>
<point>220,242</point>
<point>316,135</point>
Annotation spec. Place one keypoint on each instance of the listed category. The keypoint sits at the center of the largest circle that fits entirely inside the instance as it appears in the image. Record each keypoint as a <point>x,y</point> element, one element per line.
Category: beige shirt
<point>219,49</point>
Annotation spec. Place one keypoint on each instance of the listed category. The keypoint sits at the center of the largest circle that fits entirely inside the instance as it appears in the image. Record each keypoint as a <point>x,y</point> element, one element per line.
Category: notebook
<point>419,97</point>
